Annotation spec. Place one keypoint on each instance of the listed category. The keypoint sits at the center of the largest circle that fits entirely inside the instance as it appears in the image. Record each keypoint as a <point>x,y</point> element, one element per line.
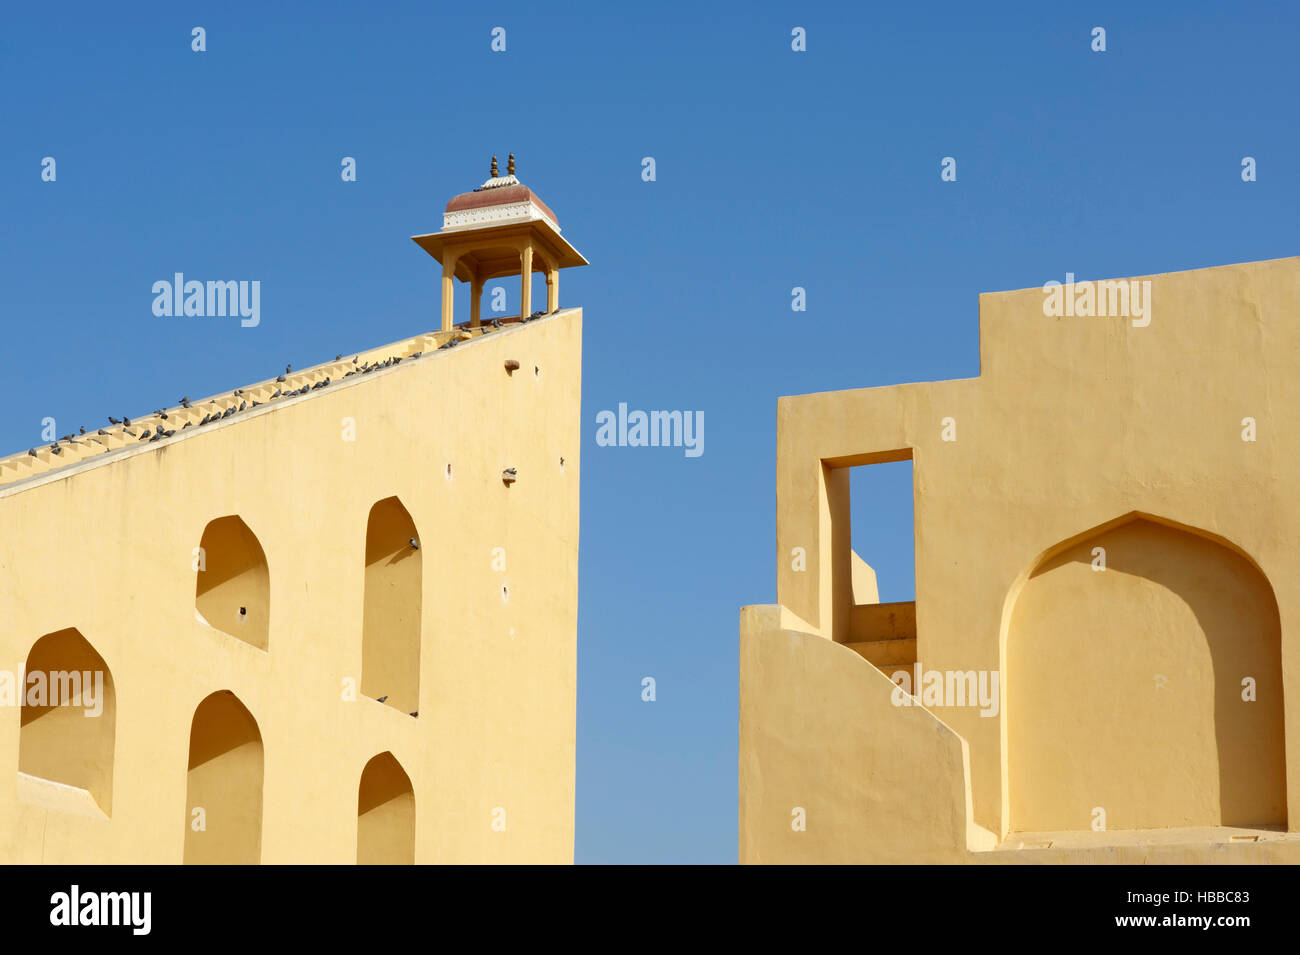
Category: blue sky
<point>774,169</point>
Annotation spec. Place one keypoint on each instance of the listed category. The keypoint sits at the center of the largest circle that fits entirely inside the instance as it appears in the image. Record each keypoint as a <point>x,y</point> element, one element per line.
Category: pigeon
<point>56,449</point>
<point>239,391</point>
<point>243,405</point>
<point>383,699</point>
<point>416,355</point>
<point>288,369</point>
<point>338,357</point>
<point>187,424</point>
<point>32,452</point>
<point>229,412</point>
<point>156,437</point>
<point>145,434</point>
<point>162,414</point>
<point>129,431</point>
<point>277,393</point>
<point>354,359</point>
<point>415,544</point>
<point>126,422</point>
<point>279,378</point>
<point>206,419</point>
<point>112,420</point>
<point>83,429</point>
<point>185,402</point>
<point>416,713</point>
<point>256,403</point>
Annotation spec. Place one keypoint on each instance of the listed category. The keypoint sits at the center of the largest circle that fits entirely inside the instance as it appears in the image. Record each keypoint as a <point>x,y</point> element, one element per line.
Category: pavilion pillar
<point>552,290</point>
<point>448,289</point>
<point>526,275</point>
<point>475,300</point>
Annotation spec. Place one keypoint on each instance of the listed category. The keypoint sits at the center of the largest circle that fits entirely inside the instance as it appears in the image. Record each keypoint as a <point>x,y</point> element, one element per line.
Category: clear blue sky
<point>775,169</point>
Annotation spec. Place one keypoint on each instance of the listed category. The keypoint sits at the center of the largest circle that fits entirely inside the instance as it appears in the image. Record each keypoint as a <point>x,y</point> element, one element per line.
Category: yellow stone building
<point>329,617</point>
<point>1107,594</point>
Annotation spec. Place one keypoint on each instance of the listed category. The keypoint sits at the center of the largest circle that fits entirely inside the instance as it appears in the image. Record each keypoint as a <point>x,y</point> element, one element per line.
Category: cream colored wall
<point>811,714</point>
<point>882,784</point>
<point>497,677</point>
<point>1072,424</point>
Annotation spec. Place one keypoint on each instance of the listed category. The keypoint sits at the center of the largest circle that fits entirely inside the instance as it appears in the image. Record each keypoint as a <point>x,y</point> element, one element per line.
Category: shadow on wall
<point>223,820</point>
<point>1150,690</point>
<point>233,593</point>
<point>61,740</point>
<point>390,641</point>
<point>385,814</point>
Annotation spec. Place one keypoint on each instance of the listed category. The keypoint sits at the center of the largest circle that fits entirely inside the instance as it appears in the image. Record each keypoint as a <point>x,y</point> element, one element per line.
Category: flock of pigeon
<point>159,429</point>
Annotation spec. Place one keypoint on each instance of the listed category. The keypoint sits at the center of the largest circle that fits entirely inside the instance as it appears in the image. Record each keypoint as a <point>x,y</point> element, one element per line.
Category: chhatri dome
<point>501,228</point>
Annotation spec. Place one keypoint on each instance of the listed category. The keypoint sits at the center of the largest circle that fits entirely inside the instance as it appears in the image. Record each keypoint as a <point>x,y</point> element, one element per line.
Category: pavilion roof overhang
<point>493,252</point>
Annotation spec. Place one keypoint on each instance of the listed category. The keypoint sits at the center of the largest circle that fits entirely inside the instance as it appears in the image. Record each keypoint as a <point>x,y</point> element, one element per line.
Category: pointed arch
<point>390,636</point>
<point>223,800</point>
<point>233,589</point>
<point>1150,689</point>
<point>67,726</point>
<point>385,814</point>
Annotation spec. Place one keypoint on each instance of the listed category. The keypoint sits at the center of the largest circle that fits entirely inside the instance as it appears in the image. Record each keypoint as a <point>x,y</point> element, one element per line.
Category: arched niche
<point>1142,674</point>
<point>67,726</point>
<point>223,802</point>
<point>385,814</point>
<point>233,589</point>
<point>390,637</point>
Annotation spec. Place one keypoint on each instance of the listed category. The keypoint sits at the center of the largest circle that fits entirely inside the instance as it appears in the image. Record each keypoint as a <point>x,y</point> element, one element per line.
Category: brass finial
<point>494,167</point>
<point>510,166</point>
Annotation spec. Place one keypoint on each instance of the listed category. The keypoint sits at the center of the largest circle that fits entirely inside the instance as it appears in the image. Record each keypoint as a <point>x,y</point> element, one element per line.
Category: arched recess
<point>233,592</point>
<point>385,814</point>
<point>223,799</point>
<point>67,726</point>
<point>390,636</point>
<point>1150,690</point>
